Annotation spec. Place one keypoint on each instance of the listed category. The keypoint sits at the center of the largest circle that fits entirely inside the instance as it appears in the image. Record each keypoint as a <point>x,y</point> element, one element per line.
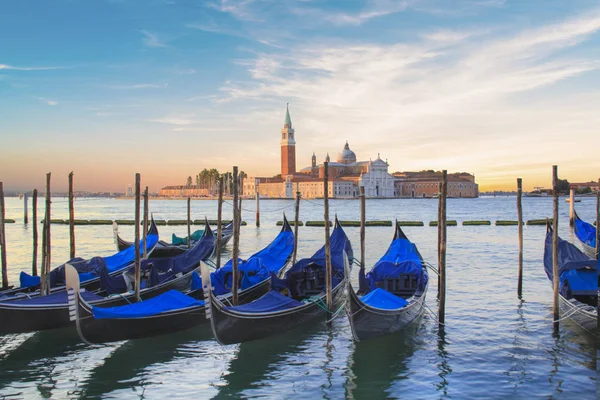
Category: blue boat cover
<point>380,298</point>
<point>585,232</point>
<point>168,301</point>
<point>570,258</point>
<point>580,282</point>
<point>89,269</point>
<point>401,258</point>
<point>339,243</point>
<point>257,267</point>
<point>270,302</point>
<point>55,298</point>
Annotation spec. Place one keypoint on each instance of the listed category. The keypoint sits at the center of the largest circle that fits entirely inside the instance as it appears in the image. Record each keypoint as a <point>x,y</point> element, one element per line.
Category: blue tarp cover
<point>176,240</point>
<point>257,267</point>
<point>380,298</point>
<point>585,232</point>
<point>570,258</point>
<point>59,297</point>
<point>270,302</point>
<point>402,257</point>
<point>171,300</point>
<point>581,281</point>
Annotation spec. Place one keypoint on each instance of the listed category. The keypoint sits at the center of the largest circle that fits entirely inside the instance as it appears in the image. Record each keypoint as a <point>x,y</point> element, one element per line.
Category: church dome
<point>347,156</point>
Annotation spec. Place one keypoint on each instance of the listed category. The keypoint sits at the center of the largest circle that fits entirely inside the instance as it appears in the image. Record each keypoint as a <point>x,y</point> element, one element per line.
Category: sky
<point>107,88</point>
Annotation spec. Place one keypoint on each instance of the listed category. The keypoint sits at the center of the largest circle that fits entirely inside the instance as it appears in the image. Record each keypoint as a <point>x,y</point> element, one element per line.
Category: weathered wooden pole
<point>572,207</point>
<point>327,244</point>
<point>296,222</point>
<point>189,217</point>
<point>3,238</point>
<point>137,237</point>
<point>257,194</point>
<point>520,217</point>
<point>598,228</point>
<point>363,211</point>
<point>34,270</point>
<point>439,237</point>
<point>47,242</point>
<point>71,218</point>
<point>145,225</point>
<point>555,281</point>
<point>25,210</point>
<point>442,250</point>
<point>219,223</point>
<point>236,237</point>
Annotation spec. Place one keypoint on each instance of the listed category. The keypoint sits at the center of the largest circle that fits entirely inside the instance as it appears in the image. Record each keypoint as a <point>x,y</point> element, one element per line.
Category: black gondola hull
<point>231,327</point>
<point>583,315</point>
<point>368,322</point>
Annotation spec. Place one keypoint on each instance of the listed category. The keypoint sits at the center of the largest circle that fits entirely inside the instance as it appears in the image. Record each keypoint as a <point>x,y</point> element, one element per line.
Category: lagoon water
<point>495,346</point>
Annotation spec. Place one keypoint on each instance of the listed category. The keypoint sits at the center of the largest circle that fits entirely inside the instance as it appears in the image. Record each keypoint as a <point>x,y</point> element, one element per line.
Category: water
<point>494,345</point>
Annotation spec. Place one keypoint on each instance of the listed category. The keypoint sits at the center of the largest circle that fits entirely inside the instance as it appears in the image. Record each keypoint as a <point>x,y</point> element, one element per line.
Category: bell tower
<point>288,146</point>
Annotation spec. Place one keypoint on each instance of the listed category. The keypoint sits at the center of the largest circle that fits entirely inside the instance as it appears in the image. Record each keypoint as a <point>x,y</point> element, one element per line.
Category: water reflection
<point>442,364</point>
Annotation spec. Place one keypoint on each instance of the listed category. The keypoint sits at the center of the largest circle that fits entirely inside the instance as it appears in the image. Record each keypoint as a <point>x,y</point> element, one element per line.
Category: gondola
<point>160,275</point>
<point>578,283</point>
<point>392,295</point>
<point>275,312</point>
<point>586,233</point>
<point>178,245</point>
<point>173,311</point>
<point>88,269</point>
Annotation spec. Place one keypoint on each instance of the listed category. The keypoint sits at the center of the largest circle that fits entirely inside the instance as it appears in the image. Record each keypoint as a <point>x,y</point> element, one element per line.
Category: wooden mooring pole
<point>598,228</point>
<point>34,270</point>
<point>296,218</point>
<point>145,225</point>
<point>71,218</point>
<point>439,237</point>
<point>3,238</point>
<point>257,194</point>
<point>555,281</point>
<point>327,243</point>
<point>520,221</point>
<point>25,209</point>
<point>363,211</point>
<point>219,224</point>
<point>137,237</point>
<point>47,242</point>
<point>236,237</point>
<point>442,250</point>
<point>572,207</point>
<point>189,217</point>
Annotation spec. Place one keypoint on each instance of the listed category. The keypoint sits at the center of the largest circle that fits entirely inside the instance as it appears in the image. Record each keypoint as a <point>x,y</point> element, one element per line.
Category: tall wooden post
<point>71,218</point>
<point>439,237</point>
<point>47,242</point>
<point>555,281</point>
<point>25,210</point>
<point>572,207</point>
<point>327,244</point>
<point>137,237</point>
<point>34,270</point>
<point>145,225</point>
<point>189,217</point>
<point>296,222</point>
<point>520,217</point>
<point>442,250</point>
<point>363,211</point>
<point>598,227</point>
<point>219,223</point>
<point>257,194</point>
<point>236,237</point>
<point>3,238</point>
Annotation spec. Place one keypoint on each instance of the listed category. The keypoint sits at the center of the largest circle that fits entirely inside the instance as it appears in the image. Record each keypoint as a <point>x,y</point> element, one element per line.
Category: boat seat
<point>306,283</point>
<point>405,285</point>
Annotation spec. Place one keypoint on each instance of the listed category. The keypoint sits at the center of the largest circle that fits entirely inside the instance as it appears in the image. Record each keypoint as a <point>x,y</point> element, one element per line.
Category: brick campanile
<point>288,147</point>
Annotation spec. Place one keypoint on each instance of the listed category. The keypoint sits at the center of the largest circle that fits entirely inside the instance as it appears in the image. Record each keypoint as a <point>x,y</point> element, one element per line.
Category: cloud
<point>14,68</point>
<point>138,86</point>
<point>372,9</point>
<point>240,9</point>
<point>47,101</point>
<point>448,36</point>
<point>174,121</point>
<point>151,40</point>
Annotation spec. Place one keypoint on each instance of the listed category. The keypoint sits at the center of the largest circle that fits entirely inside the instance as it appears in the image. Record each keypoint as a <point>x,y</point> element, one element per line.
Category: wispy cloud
<point>240,9</point>
<point>448,36</point>
<point>138,86</point>
<point>174,121</point>
<point>15,68</point>
<point>372,9</point>
<point>47,101</point>
<point>152,40</point>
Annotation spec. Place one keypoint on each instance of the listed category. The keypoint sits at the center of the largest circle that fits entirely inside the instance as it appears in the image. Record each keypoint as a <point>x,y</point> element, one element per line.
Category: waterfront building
<point>426,184</point>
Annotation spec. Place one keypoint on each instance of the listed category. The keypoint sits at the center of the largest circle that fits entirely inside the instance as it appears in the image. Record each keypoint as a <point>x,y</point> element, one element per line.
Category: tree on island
<point>563,186</point>
<point>189,182</point>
